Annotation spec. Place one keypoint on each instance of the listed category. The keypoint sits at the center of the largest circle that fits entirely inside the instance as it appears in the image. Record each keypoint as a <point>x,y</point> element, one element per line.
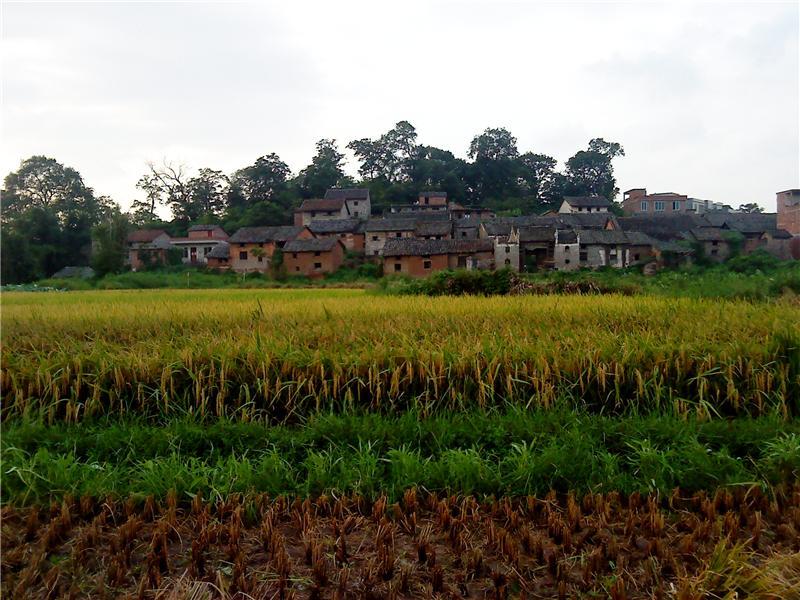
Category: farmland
<point>344,443</point>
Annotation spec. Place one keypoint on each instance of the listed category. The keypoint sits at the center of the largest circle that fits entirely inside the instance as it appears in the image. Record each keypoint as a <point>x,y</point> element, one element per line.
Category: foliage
<point>110,248</point>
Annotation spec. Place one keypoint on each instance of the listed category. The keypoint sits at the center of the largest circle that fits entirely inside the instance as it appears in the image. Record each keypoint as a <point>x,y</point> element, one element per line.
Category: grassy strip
<point>517,452</point>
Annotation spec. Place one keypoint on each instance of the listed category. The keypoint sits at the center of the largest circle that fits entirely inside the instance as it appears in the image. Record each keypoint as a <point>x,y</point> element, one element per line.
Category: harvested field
<point>734,542</point>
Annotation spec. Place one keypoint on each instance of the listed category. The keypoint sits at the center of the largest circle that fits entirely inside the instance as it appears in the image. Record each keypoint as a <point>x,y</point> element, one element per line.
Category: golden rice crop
<point>282,353</point>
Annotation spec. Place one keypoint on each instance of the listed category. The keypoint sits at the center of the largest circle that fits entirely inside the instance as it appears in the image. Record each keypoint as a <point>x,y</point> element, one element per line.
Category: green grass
<point>486,453</point>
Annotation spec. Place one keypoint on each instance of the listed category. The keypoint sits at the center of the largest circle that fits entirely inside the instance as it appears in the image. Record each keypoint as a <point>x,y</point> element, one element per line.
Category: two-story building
<point>419,258</point>
<point>637,200</point>
<point>338,203</point>
<point>199,242</point>
<point>349,231</point>
<point>251,248</point>
<point>584,204</point>
<point>313,257</point>
<point>147,247</point>
<point>789,211</point>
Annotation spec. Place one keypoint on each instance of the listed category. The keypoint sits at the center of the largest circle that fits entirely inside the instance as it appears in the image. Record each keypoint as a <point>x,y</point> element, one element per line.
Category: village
<point>434,234</point>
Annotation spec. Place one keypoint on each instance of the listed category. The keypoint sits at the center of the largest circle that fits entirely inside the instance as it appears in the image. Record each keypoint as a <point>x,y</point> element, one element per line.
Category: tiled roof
<point>145,235</point>
<point>321,204</point>
<point>347,194</point>
<point>334,225</point>
<point>204,227</point>
<point>311,245</point>
<point>663,227</point>
<point>259,235</point>
<point>433,228</point>
<point>567,236</point>
<point>417,247</point>
<point>708,234</point>
<point>434,194</point>
<point>587,201</point>
<point>221,250</point>
<point>536,233</point>
<point>744,222</point>
<point>602,237</point>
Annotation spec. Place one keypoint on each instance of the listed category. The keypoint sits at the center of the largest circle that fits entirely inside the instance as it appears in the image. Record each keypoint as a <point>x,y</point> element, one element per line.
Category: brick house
<point>251,248</point>
<point>313,257</point>
<point>356,201</point>
<point>318,209</point>
<point>715,242</point>
<point>219,257</point>
<point>777,242</point>
<point>147,247</point>
<point>377,231</point>
<point>789,211</point>
<point>425,202</point>
<point>584,204</point>
<point>602,248</point>
<point>566,250</point>
<point>419,258</point>
<point>637,200</point>
<point>349,231</point>
<point>199,242</point>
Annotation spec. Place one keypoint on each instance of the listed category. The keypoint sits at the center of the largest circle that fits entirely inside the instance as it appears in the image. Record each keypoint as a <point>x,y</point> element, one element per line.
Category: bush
<point>760,260</point>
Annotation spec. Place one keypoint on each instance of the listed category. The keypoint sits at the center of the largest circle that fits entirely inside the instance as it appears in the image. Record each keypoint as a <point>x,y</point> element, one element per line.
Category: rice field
<point>331,444</point>
<point>279,355</point>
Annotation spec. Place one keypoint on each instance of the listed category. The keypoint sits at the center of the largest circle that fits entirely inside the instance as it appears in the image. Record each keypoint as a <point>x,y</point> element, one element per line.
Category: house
<point>419,258</point>
<point>313,257</point>
<point>751,225</point>
<point>789,211</point>
<point>566,250</point>
<point>425,202</point>
<point>200,241</point>
<point>251,248</point>
<point>434,230</point>
<point>664,227</point>
<point>469,212</point>
<point>641,248</point>
<point>716,243</point>
<point>356,201</point>
<point>147,247</point>
<point>778,242</point>
<point>320,209</point>
<point>349,231</point>
<point>602,248</point>
<point>466,228</point>
<point>584,204</point>
<point>377,231</point>
<point>219,257</point>
<point>537,247</point>
<point>637,200</point>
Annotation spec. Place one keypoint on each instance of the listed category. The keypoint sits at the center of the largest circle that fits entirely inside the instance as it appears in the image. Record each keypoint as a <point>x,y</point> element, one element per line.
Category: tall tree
<point>540,179</point>
<point>109,244</point>
<point>53,210</point>
<point>260,195</point>
<point>208,192</point>
<point>390,157</point>
<point>591,171</point>
<point>167,184</point>
<point>325,171</point>
<point>750,208</point>
<point>495,171</point>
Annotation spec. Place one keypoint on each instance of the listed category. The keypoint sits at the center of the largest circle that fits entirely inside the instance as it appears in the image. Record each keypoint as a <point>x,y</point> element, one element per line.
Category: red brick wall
<point>414,265</point>
<point>302,263</point>
<point>789,211</point>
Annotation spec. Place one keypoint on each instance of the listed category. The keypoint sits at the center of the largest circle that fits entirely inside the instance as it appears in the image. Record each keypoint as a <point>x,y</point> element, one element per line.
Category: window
<point>193,250</point>
<point>583,256</point>
<point>715,243</point>
<point>185,253</point>
<point>426,264</point>
<point>508,249</point>
<point>260,259</point>
<point>297,268</point>
<point>566,261</point>
<point>355,202</point>
<point>508,261</point>
<point>241,245</point>
<point>643,206</point>
<point>566,249</point>
<point>463,234</point>
<point>313,213</point>
<point>375,253</point>
<point>398,234</point>
<point>317,266</point>
<point>243,255</point>
<point>714,251</point>
<point>206,250</point>
<point>659,205</point>
<point>294,254</point>
<point>635,257</point>
<point>316,253</point>
<point>374,238</point>
<point>397,267</point>
<point>676,205</point>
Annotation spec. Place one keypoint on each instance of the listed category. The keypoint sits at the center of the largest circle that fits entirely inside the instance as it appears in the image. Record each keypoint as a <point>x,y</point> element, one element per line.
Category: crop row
<point>282,355</point>
<point>516,453</point>
<point>741,544</point>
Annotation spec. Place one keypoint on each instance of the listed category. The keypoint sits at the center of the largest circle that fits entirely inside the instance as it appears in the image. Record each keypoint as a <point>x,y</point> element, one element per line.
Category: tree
<point>750,208</point>
<point>208,192</point>
<point>494,174</point>
<point>390,157</point>
<point>325,171</point>
<point>167,184</point>
<point>590,172</point>
<point>540,179</point>
<point>109,244</point>
<point>264,180</point>
<point>493,144</point>
<point>47,215</point>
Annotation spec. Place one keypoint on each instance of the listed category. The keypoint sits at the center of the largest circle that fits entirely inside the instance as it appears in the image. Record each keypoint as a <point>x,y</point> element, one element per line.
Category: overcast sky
<point>703,97</point>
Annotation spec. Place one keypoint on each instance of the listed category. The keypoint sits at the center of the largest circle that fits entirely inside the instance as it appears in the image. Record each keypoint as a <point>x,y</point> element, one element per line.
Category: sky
<point>704,97</point>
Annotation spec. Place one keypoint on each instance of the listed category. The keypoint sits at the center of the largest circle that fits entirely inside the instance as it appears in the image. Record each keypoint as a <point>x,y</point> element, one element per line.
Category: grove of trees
<point>51,218</point>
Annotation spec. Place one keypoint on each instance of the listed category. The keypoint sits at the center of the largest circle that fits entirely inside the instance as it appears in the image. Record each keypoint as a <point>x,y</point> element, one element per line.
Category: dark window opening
<point>316,253</point>
<point>317,265</point>
<point>426,264</point>
<point>397,267</point>
<point>243,255</point>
